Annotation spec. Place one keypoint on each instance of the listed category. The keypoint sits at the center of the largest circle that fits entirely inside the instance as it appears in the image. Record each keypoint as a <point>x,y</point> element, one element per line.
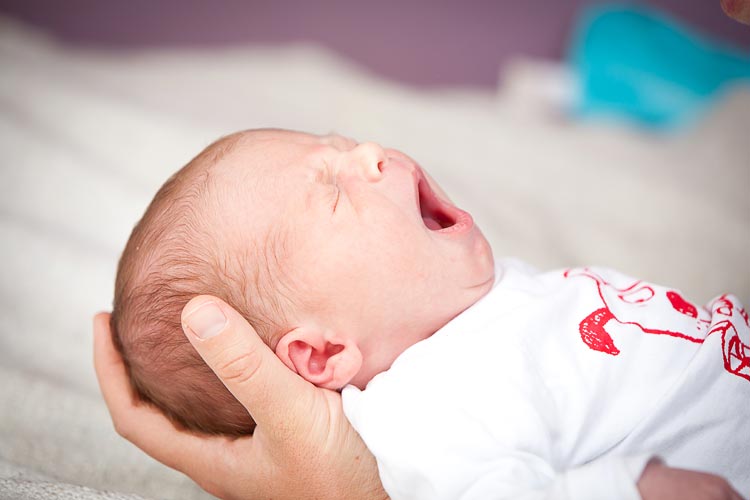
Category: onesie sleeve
<point>608,477</point>
<point>428,462</point>
<point>435,439</point>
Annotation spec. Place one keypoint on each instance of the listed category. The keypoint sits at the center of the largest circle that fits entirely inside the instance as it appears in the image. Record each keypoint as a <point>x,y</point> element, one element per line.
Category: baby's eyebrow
<point>338,140</point>
<point>315,177</point>
<point>330,135</point>
<point>319,173</point>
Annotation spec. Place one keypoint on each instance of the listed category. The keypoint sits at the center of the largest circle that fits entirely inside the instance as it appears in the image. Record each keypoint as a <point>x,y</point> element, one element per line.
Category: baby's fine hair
<point>168,260</point>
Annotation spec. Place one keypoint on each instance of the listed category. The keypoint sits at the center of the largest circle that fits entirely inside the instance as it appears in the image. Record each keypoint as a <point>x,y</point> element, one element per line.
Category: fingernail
<point>207,321</point>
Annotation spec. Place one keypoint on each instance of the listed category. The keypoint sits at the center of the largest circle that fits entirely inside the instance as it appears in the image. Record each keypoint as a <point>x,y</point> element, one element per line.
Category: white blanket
<point>86,138</point>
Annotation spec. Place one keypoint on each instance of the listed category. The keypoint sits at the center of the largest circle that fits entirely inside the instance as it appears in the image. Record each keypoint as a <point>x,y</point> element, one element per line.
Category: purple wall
<point>419,41</point>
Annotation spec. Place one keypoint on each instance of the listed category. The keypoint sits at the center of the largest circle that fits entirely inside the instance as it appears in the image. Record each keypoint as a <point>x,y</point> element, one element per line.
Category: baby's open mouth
<point>435,214</point>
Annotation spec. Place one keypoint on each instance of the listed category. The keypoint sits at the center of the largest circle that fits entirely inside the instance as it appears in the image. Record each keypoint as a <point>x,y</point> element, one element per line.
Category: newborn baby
<point>509,383</point>
<point>341,255</point>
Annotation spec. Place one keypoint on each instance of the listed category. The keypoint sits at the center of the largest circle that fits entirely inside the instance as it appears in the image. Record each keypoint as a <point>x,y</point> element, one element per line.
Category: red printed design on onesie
<point>659,311</point>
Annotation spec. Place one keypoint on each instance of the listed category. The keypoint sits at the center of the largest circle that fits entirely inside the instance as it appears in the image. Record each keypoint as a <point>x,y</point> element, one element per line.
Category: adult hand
<point>737,9</point>
<point>303,446</point>
<point>660,482</point>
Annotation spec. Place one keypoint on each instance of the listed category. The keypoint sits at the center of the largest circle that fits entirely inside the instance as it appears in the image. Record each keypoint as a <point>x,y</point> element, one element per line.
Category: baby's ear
<point>321,358</point>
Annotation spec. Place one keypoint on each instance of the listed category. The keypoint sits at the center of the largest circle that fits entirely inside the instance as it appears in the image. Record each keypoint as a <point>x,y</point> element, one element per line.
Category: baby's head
<point>340,255</point>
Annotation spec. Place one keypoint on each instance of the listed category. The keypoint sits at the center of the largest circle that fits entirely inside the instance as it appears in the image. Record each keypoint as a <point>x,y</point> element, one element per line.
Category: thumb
<point>230,346</point>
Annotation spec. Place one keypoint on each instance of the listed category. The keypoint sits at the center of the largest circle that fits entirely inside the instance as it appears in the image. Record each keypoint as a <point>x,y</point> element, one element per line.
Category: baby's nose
<point>369,158</point>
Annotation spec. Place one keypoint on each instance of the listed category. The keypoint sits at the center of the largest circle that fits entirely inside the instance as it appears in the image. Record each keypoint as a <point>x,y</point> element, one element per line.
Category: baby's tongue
<point>431,223</point>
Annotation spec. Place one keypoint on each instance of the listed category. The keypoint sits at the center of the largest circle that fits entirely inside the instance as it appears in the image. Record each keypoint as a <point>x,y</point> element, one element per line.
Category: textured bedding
<point>88,136</point>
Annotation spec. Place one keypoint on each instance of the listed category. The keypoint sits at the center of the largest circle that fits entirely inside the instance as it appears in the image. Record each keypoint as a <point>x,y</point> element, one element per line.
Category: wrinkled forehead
<point>271,150</point>
<point>256,182</point>
<point>275,162</point>
<point>270,155</point>
<point>257,190</point>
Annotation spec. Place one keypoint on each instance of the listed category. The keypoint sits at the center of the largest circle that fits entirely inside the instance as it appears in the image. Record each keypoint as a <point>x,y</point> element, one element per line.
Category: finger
<point>144,425</point>
<point>737,9</point>
<point>246,366</point>
<point>109,366</point>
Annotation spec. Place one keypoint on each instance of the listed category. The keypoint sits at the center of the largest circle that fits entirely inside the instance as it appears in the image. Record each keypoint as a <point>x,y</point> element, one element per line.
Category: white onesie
<point>562,385</point>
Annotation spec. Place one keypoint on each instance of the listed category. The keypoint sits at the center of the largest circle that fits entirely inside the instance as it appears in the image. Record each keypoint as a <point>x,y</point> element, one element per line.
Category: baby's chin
<point>481,262</point>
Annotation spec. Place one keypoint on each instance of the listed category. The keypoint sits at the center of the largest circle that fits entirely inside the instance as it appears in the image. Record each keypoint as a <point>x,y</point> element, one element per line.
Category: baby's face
<point>369,242</point>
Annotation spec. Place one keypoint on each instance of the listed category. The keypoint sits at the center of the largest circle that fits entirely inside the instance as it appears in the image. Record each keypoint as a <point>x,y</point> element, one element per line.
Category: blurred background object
<point>420,42</point>
<point>638,63</point>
